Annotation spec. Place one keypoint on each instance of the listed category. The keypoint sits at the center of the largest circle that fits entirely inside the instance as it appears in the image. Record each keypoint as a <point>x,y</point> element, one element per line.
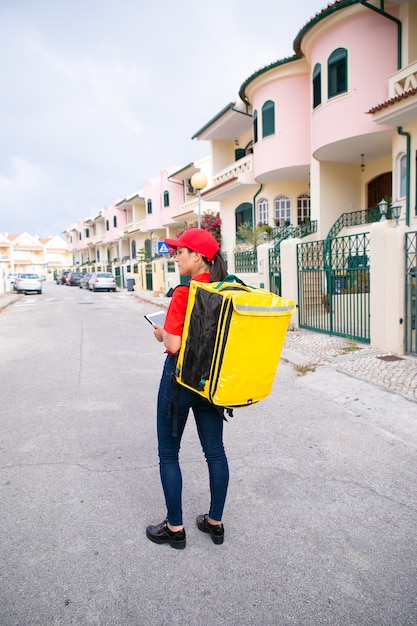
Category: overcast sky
<point>97,97</point>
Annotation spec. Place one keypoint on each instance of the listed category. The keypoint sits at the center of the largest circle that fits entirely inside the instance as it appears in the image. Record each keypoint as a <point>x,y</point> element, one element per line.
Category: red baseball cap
<point>196,239</point>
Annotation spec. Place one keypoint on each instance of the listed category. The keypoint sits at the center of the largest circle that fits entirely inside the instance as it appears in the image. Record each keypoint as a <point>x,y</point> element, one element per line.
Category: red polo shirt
<point>174,321</point>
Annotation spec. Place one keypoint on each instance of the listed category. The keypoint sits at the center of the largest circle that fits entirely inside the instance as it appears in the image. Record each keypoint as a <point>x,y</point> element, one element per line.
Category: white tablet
<point>156,318</point>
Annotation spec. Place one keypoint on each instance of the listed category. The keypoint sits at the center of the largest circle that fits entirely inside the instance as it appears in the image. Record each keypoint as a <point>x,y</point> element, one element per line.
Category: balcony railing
<point>241,169</point>
<point>403,80</point>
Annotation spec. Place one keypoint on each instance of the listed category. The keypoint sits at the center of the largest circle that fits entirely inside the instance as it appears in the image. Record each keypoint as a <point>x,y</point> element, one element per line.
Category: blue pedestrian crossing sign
<point>163,248</point>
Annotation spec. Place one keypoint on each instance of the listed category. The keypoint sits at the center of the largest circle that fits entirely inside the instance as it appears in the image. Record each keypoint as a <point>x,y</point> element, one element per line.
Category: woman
<point>198,255</point>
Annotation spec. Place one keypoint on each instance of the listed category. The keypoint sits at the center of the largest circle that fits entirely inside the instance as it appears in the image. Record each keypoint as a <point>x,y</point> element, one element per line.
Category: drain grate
<point>390,357</point>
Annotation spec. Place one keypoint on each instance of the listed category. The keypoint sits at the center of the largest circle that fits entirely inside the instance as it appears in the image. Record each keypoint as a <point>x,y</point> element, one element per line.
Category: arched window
<point>303,209</point>
<point>316,85</point>
<point>402,176</point>
<point>263,211</point>
<point>268,119</point>
<point>166,198</point>
<point>133,249</point>
<point>379,188</point>
<point>255,126</point>
<point>243,215</point>
<point>282,211</point>
<point>148,249</point>
<point>337,72</point>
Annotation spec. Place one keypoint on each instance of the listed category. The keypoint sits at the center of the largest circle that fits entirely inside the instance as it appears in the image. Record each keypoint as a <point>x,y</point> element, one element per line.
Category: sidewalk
<point>308,350</point>
<point>7,298</point>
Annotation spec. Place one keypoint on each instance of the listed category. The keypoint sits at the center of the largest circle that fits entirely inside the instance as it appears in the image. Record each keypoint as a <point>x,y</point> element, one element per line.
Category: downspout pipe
<point>254,205</point>
<point>408,154</point>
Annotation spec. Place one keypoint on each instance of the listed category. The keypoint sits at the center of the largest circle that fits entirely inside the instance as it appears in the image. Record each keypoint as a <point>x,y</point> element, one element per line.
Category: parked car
<point>102,281</point>
<point>84,280</point>
<point>73,279</point>
<point>28,282</point>
<point>11,277</point>
<point>62,278</point>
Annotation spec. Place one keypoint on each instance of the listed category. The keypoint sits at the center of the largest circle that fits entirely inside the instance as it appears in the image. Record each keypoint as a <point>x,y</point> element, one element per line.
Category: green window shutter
<point>268,119</point>
<point>317,85</point>
<point>337,72</point>
<point>243,215</point>
<point>239,153</point>
<point>255,126</point>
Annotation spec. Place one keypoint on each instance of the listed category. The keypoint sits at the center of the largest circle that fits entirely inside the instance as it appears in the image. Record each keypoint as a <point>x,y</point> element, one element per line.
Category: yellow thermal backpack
<point>232,341</point>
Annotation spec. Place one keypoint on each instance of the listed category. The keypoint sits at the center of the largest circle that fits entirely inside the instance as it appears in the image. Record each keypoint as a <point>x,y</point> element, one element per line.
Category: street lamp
<point>396,212</point>
<point>120,235</point>
<point>383,206</point>
<point>199,181</point>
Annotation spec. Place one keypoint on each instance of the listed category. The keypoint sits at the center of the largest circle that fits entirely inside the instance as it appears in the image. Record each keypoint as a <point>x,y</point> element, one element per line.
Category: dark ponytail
<point>218,269</point>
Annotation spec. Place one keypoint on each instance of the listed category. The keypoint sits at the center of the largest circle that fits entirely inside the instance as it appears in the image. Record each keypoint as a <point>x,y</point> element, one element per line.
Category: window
<point>379,188</point>
<point>243,215</point>
<point>303,209</point>
<point>149,206</point>
<point>316,85</point>
<point>282,211</point>
<point>268,119</point>
<point>263,211</point>
<point>255,126</point>
<point>79,236</point>
<point>337,72</point>
<point>98,254</point>
<point>133,249</point>
<point>115,221</point>
<point>87,233</point>
<point>402,176</point>
<point>107,225</point>
<point>166,198</point>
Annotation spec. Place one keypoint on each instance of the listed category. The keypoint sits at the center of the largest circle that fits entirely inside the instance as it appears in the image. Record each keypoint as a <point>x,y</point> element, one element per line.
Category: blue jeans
<point>210,431</point>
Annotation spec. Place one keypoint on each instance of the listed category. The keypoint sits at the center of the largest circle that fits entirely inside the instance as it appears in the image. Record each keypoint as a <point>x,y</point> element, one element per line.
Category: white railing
<point>403,80</point>
<point>237,169</point>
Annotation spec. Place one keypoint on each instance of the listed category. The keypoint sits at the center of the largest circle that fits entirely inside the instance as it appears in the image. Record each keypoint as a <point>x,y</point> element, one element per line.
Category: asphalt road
<point>321,515</point>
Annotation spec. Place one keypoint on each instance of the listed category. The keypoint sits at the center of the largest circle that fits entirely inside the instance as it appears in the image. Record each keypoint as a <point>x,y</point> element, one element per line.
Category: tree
<point>246,233</point>
<point>209,221</point>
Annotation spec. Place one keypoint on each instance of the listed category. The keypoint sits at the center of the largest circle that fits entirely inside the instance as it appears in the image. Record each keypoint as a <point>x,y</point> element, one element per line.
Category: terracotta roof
<point>402,96</point>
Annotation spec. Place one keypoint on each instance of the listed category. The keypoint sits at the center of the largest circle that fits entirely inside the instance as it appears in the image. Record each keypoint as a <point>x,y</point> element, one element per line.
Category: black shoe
<point>216,531</point>
<point>162,534</point>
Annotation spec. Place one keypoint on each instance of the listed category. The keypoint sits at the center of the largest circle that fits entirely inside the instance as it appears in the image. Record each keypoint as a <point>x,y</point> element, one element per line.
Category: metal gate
<point>275,269</point>
<point>410,292</point>
<point>333,286</point>
<point>148,273</point>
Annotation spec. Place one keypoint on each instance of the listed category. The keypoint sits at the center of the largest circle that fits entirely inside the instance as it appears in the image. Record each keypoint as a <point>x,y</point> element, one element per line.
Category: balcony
<point>237,177</point>
<point>400,108</point>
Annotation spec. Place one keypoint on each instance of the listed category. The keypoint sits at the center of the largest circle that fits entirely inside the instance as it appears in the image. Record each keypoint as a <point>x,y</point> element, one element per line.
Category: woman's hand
<point>171,342</point>
<point>158,332</point>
